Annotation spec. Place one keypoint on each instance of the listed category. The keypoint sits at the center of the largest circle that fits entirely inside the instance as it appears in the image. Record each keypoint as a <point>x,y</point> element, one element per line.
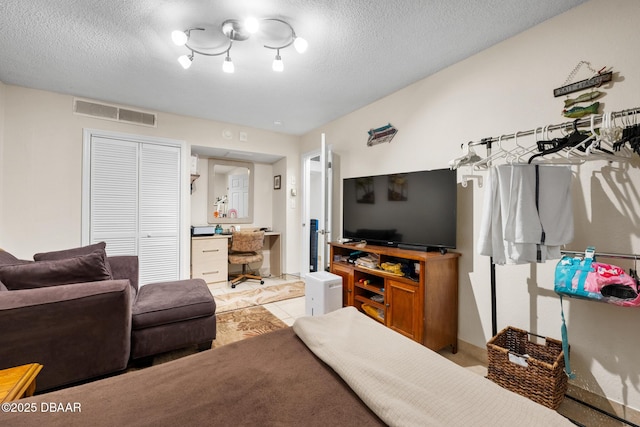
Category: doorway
<point>311,211</point>
<point>320,179</point>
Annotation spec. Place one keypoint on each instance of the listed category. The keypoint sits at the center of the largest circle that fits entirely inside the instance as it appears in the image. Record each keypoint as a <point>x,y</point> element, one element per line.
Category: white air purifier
<point>323,293</point>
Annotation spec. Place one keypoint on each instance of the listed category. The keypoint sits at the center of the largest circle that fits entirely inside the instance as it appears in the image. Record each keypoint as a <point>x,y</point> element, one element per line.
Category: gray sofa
<point>75,312</point>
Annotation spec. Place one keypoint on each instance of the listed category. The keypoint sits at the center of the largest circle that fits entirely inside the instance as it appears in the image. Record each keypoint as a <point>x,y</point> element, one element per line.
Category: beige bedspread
<point>406,384</point>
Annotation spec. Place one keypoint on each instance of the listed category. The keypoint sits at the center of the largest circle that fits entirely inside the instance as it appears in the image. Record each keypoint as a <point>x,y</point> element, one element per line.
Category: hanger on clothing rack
<point>610,131</point>
<point>583,148</point>
<point>500,153</point>
<point>469,156</point>
<point>598,149</point>
<point>631,135</point>
<point>544,133</point>
<point>515,155</point>
<point>602,146</point>
<point>559,144</point>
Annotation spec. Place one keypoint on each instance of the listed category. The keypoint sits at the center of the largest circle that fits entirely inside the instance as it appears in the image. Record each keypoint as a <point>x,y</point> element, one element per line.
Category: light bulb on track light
<point>179,37</point>
<point>300,44</point>
<point>277,64</point>
<point>227,65</point>
<point>252,25</point>
<point>185,61</point>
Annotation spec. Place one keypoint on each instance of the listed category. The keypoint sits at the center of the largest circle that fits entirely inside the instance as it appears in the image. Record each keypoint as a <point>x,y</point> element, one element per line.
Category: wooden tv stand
<point>423,307</point>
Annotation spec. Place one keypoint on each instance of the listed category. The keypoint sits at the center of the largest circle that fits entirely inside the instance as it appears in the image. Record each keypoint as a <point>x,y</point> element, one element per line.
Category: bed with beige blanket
<point>342,368</point>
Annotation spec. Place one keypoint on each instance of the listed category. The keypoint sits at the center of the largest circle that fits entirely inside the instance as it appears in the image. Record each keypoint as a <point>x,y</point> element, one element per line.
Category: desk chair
<point>246,247</point>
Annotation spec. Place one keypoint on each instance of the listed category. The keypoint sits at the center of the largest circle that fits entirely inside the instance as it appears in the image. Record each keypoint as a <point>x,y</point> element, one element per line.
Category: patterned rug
<point>259,296</point>
<point>245,323</point>
<point>231,326</point>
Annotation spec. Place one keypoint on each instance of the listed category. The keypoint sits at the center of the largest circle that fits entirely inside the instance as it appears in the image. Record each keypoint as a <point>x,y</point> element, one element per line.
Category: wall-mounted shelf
<point>194,176</point>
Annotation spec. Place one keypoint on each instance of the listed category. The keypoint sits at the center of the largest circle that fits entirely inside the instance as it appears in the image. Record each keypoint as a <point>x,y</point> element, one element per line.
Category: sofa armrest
<point>76,331</point>
<point>125,267</point>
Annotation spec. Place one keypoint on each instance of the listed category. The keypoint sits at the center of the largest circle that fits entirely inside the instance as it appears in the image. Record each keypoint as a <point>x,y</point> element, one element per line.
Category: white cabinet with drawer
<point>209,259</point>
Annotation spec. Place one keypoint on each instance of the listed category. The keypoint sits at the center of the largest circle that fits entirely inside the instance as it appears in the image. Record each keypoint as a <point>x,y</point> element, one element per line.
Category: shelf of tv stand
<point>377,271</point>
<point>371,288</point>
<point>369,301</point>
<point>424,308</point>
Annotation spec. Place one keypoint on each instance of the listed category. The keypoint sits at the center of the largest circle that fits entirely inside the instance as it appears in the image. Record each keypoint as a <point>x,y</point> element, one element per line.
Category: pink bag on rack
<point>585,278</point>
<point>615,286</point>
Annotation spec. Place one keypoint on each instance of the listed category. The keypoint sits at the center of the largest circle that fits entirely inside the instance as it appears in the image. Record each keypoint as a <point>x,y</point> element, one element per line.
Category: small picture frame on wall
<point>276,182</point>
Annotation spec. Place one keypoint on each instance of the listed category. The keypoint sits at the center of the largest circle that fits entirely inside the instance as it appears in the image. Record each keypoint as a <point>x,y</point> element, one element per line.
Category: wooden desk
<point>18,382</point>
<point>209,258</point>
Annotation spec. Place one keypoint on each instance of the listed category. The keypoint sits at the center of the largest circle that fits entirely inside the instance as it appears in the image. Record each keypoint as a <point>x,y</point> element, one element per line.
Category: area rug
<point>257,297</point>
<point>245,323</point>
<point>231,326</point>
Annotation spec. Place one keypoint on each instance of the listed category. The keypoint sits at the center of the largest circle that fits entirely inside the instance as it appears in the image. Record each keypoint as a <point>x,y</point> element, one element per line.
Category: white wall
<point>505,89</point>
<point>41,169</point>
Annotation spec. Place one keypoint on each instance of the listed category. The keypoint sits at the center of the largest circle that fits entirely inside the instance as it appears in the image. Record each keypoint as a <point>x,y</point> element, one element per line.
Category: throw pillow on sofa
<point>73,252</point>
<point>7,259</point>
<point>69,253</point>
<point>85,268</point>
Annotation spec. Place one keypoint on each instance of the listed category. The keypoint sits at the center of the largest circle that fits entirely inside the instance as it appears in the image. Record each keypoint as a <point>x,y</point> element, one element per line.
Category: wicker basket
<point>542,380</point>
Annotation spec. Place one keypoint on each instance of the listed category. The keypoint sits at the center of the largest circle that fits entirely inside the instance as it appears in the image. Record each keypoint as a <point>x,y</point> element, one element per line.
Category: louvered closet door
<point>159,212</point>
<point>113,215</point>
<point>135,204</point>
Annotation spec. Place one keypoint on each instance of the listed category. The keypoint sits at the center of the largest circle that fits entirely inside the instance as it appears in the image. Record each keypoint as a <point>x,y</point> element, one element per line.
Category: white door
<point>239,195</point>
<point>113,195</point>
<point>159,213</point>
<point>318,183</point>
<point>326,188</point>
<point>131,200</point>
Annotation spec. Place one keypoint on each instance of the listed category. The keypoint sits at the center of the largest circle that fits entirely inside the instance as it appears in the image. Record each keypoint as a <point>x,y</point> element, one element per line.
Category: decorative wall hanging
<point>577,112</point>
<point>599,77</point>
<point>381,134</point>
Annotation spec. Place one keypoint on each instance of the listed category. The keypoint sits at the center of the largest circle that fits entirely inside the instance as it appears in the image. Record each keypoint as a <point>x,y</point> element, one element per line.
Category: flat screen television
<point>413,210</point>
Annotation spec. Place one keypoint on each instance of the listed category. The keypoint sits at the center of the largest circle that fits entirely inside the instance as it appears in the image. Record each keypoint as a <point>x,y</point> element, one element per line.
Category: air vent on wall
<point>112,112</point>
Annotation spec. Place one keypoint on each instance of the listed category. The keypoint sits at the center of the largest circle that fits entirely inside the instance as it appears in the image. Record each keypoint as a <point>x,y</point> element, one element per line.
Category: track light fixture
<point>235,30</point>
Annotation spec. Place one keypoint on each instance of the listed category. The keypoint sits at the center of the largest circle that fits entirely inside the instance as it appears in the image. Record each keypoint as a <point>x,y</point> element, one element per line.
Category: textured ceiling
<point>120,51</point>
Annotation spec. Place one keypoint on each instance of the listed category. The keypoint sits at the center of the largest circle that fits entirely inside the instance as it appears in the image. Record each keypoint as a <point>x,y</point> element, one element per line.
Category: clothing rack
<point>571,125</point>
<point>567,126</point>
<point>604,255</point>
<point>577,147</point>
